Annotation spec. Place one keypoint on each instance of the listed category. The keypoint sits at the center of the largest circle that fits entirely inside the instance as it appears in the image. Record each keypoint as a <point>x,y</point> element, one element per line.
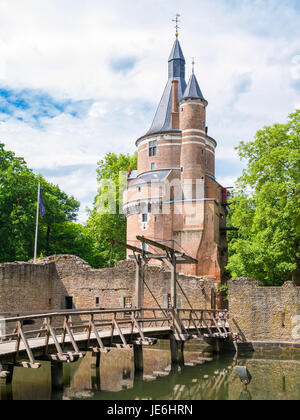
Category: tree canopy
<point>18,200</point>
<point>266,206</point>
<point>106,220</point>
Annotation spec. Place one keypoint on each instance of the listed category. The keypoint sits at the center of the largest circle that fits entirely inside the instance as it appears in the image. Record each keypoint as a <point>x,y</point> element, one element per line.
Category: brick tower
<point>174,197</point>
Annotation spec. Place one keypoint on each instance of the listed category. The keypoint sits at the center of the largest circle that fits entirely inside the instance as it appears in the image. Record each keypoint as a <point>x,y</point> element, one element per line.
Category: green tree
<point>72,238</point>
<point>18,197</point>
<point>102,223</point>
<point>266,206</point>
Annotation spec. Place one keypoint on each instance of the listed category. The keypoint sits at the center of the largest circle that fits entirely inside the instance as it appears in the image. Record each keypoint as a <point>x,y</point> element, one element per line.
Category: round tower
<point>192,116</point>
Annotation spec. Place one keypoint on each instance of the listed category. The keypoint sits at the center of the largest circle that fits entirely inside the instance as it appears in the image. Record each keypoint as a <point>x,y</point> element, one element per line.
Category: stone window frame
<point>127,303</point>
<point>65,302</point>
<point>153,148</point>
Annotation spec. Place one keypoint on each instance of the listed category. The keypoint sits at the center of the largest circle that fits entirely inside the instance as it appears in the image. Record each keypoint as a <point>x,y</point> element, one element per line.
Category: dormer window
<point>152,148</point>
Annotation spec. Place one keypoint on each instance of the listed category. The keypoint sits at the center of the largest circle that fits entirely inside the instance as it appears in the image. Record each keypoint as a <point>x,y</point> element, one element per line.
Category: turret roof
<point>176,52</point>
<point>162,119</point>
<point>193,89</point>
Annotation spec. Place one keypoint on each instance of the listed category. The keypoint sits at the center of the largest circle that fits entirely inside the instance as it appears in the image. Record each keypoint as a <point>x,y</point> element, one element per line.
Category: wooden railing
<point>119,328</point>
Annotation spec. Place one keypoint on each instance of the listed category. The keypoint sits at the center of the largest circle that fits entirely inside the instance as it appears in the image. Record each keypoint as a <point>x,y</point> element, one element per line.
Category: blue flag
<point>42,204</point>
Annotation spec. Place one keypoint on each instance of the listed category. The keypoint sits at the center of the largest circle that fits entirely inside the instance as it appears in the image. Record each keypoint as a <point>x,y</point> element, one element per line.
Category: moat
<point>274,377</point>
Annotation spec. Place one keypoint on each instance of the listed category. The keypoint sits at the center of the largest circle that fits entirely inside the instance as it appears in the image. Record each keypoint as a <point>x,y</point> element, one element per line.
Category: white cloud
<point>245,63</point>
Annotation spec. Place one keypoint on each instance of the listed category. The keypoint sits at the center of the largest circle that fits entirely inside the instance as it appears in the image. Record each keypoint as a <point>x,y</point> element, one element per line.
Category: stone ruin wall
<point>265,314</point>
<point>261,314</point>
<point>26,287</point>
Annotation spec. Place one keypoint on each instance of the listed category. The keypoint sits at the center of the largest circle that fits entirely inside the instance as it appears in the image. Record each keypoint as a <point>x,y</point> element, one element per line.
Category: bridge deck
<point>102,330</point>
<point>36,344</point>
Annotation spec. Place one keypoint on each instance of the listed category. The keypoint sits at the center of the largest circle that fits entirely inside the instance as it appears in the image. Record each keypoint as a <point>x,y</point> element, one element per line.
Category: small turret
<point>193,123</point>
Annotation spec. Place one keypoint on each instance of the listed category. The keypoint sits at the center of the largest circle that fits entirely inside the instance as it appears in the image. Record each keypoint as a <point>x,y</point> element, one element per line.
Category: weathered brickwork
<point>179,141</point>
<point>29,287</point>
<point>264,313</point>
<point>45,286</point>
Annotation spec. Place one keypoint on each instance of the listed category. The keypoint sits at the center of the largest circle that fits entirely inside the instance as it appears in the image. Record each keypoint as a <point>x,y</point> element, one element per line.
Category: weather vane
<point>177,26</point>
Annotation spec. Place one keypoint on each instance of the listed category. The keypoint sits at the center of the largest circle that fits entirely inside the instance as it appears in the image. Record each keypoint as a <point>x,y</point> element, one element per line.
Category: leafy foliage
<point>18,198</point>
<point>102,224</point>
<point>266,206</point>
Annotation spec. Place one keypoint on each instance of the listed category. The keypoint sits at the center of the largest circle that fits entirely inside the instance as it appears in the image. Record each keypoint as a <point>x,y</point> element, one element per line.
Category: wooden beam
<point>186,258</point>
<point>126,246</point>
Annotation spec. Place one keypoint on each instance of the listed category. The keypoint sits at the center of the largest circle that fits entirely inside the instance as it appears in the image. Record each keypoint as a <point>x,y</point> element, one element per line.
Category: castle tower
<point>193,129</point>
<point>173,196</point>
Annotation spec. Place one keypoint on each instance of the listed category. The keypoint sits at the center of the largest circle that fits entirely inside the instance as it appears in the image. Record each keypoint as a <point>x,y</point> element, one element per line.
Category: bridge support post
<point>57,375</point>
<point>96,378</point>
<point>177,351</point>
<point>97,359</point>
<point>218,346</point>
<point>6,374</point>
<point>138,359</point>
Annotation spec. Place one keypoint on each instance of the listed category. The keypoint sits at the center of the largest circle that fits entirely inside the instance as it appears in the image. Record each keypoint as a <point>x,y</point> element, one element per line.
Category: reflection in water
<point>209,379</point>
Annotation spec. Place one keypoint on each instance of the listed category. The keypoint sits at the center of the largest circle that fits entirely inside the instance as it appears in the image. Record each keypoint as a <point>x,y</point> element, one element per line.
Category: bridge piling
<point>177,351</point>
<point>6,374</point>
<point>138,358</point>
<point>218,345</point>
<point>97,360</point>
<point>57,375</point>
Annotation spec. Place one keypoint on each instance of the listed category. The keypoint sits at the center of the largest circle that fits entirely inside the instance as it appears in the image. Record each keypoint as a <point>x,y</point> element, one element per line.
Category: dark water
<point>273,378</point>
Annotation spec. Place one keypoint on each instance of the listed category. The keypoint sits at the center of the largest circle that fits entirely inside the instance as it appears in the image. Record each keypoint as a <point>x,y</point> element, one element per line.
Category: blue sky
<point>80,79</point>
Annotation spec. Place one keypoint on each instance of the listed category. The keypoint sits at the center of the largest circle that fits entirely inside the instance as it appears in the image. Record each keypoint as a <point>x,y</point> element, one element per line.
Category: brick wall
<point>264,313</point>
<point>28,287</point>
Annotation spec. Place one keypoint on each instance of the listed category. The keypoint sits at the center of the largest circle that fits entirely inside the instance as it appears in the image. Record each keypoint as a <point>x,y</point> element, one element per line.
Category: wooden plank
<point>25,342</point>
<point>95,331</point>
<point>134,321</point>
<point>126,346</point>
<point>56,343</point>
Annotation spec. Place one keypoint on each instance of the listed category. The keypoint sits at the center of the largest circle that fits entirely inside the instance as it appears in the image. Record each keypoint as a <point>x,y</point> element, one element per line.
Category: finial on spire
<point>176,26</point>
<point>193,65</point>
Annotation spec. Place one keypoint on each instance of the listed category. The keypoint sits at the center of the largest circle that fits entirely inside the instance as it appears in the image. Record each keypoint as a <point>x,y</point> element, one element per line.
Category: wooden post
<point>139,282</point>
<point>138,364</point>
<point>177,351</point>
<point>96,379</point>
<point>97,359</point>
<point>217,345</point>
<point>6,374</point>
<point>173,282</point>
<point>57,375</point>
<point>138,358</point>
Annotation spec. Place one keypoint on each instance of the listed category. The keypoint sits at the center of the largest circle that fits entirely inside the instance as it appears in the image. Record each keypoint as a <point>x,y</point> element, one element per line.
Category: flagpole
<point>37,223</point>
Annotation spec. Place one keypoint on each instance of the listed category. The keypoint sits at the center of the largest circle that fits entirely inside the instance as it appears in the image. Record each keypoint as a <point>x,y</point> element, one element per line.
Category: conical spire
<point>176,62</point>
<point>193,90</point>
<point>162,120</point>
<point>176,52</point>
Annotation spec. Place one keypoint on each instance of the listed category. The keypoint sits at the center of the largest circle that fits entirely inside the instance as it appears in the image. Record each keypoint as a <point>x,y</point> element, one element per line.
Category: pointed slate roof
<point>193,89</point>
<point>176,52</point>
<point>162,119</point>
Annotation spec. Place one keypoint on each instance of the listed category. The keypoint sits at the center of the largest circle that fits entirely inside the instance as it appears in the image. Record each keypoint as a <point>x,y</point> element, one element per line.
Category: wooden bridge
<point>64,336</point>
